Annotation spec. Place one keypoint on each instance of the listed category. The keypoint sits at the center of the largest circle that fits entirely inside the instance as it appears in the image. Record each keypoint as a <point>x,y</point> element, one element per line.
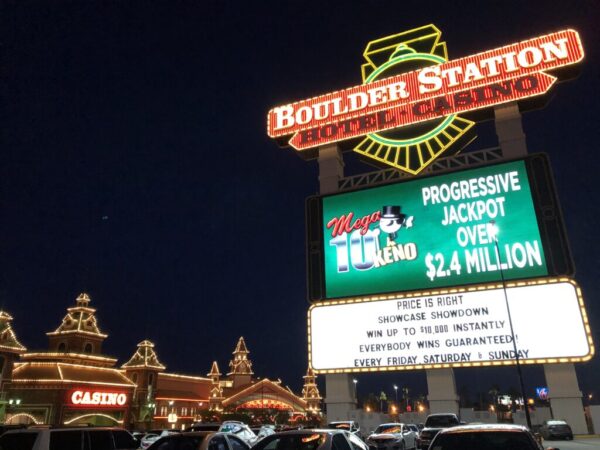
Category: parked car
<point>199,440</point>
<point>204,426</point>
<point>433,425</point>
<point>486,437</point>
<point>413,427</point>
<point>240,429</point>
<point>152,436</point>
<point>392,436</point>
<point>556,429</point>
<point>263,431</point>
<point>348,425</point>
<point>321,439</point>
<point>46,438</point>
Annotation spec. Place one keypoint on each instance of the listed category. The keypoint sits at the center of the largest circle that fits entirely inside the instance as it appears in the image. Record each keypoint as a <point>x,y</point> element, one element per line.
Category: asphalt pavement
<point>579,443</point>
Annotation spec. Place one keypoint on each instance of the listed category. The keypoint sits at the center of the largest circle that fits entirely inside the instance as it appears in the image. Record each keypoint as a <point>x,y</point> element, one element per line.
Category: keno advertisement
<point>462,327</point>
<point>465,227</point>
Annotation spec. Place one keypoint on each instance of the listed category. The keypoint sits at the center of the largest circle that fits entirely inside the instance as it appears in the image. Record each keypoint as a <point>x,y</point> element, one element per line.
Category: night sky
<point>135,165</point>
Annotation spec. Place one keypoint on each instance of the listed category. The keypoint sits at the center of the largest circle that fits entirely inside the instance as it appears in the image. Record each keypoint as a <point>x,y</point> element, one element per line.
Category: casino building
<point>74,383</point>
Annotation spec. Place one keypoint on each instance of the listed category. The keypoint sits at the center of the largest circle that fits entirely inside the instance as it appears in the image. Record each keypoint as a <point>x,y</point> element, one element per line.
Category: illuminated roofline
<point>68,422</point>
<point>34,355</point>
<point>88,333</point>
<point>188,377</point>
<point>455,290</point>
<point>203,400</point>
<point>253,387</point>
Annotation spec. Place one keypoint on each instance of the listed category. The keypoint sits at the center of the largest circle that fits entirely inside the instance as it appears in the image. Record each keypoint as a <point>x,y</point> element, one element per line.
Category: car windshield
<point>388,429</point>
<point>291,442</point>
<point>441,421</point>
<point>339,426</point>
<point>557,422</point>
<point>484,440</point>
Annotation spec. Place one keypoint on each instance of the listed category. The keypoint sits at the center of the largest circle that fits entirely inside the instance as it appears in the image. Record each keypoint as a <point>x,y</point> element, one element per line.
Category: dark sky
<point>135,164</point>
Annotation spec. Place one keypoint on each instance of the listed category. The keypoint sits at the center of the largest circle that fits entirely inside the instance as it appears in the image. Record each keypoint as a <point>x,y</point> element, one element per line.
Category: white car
<point>392,436</point>
<point>152,437</point>
<point>239,429</point>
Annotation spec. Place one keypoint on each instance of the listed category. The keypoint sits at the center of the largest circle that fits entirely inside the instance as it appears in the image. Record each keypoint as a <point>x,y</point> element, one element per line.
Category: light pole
<point>493,232</point>
<point>396,391</point>
<point>355,381</point>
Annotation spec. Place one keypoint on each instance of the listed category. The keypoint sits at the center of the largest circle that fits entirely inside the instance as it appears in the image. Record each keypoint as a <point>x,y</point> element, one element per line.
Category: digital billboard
<point>459,327</point>
<point>437,231</point>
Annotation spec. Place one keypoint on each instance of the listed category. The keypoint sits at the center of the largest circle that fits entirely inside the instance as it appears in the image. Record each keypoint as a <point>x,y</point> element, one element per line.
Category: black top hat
<point>391,212</point>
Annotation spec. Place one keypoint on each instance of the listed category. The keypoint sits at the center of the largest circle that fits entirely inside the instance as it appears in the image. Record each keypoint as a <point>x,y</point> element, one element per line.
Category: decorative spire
<point>214,371</point>
<point>8,339</point>
<point>80,319</point>
<point>240,364</point>
<point>215,401</point>
<point>310,391</point>
<point>144,358</point>
<point>83,300</point>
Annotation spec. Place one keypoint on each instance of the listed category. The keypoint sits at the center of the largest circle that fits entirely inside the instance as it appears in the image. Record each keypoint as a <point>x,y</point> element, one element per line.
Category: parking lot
<point>577,443</point>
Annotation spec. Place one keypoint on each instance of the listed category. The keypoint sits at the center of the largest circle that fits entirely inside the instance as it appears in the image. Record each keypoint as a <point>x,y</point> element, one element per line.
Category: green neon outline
<point>423,137</point>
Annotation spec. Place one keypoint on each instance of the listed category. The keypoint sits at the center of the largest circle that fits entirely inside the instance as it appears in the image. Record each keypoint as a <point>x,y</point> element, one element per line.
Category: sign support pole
<point>565,396</point>
<point>339,388</point>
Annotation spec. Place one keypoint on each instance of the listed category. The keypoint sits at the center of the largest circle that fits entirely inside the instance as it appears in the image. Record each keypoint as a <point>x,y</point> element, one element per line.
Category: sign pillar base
<point>442,391</point>
<point>565,396</point>
<point>509,130</point>
<point>331,168</point>
<point>340,398</point>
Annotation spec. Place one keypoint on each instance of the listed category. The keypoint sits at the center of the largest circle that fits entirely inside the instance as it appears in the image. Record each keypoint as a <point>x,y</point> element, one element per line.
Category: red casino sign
<point>86,398</point>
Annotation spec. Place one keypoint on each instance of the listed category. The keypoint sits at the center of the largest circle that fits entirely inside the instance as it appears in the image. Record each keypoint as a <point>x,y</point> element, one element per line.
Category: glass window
<point>123,440</point>
<point>484,440</point>
<point>100,439</point>
<point>441,421</point>
<point>237,444</point>
<point>217,443</point>
<point>66,440</point>
<point>17,441</point>
<point>164,444</point>
<point>62,347</point>
<point>339,442</point>
<point>89,348</point>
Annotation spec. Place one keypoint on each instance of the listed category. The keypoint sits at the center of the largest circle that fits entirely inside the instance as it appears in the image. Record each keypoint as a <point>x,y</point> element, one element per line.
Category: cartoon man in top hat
<point>391,221</point>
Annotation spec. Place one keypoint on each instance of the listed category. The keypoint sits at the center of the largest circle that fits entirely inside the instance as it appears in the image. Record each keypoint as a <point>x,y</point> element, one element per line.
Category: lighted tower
<point>310,392</point>
<point>143,369</point>
<point>78,332</point>
<point>10,349</point>
<point>216,390</point>
<point>241,367</point>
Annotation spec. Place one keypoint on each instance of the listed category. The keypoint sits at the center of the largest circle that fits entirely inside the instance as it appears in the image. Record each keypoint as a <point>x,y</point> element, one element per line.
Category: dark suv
<point>433,425</point>
<point>46,438</point>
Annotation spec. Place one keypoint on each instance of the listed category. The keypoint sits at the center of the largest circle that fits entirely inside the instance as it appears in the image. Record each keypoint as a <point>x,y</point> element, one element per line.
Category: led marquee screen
<point>471,226</point>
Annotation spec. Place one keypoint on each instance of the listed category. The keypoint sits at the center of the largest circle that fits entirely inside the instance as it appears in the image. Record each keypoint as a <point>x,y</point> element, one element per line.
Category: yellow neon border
<point>474,288</point>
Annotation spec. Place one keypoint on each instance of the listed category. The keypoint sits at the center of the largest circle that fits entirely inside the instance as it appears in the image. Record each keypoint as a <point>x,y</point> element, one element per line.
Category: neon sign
<point>392,99</point>
<point>99,399</point>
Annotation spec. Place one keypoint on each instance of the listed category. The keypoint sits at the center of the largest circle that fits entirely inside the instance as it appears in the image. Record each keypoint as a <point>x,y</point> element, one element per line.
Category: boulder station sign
<point>398,109</point>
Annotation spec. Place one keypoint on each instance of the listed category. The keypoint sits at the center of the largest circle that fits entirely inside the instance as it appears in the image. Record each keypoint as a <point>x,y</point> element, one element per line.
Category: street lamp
<point>493,232</point>
<point>355,381</point>
<point>396,390</point>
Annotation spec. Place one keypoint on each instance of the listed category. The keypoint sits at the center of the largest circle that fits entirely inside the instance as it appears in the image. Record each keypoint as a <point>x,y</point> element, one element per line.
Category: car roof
<point>309,431</point>
<point>484,427</point>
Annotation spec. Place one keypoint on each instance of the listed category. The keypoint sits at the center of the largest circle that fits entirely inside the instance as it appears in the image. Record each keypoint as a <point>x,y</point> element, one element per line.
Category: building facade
<point>74,383</point>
